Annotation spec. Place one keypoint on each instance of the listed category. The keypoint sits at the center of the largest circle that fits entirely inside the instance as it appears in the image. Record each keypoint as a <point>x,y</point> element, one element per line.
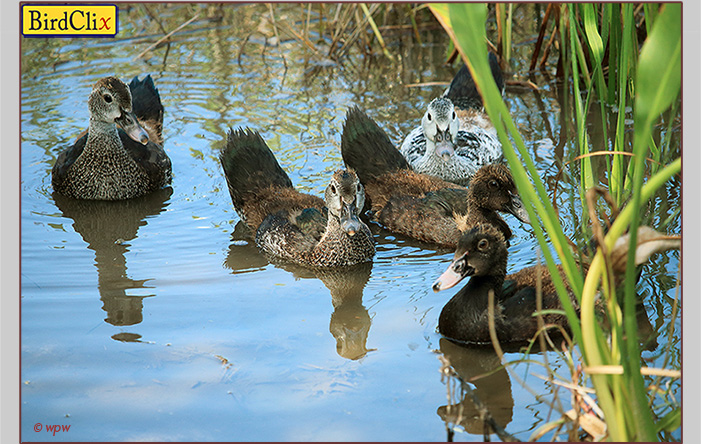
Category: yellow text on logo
<point>69,20</point>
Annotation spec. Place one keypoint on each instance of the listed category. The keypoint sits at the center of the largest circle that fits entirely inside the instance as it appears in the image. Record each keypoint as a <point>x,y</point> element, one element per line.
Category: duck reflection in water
<point>107,227</point>
<point>481,368</point>
<point>350,321</point>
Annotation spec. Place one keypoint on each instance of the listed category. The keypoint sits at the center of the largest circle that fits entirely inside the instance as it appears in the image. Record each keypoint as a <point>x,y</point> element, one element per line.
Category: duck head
<point>493,187</point>
<point>345,198</point>
<point>440,126</point>
<point>480,252</point>
<point>110,102</point>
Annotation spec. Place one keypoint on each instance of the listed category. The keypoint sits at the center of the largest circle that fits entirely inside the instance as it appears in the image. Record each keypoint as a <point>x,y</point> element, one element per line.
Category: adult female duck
<point>290,225</point>
<point>455,137</point>
<point>420,206</point>
<point>110,163</point>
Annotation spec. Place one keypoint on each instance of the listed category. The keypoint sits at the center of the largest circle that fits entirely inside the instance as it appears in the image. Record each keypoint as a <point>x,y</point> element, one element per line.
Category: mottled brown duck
<point>289,225</point>
<point>420,206</point>
<point>116,163</point>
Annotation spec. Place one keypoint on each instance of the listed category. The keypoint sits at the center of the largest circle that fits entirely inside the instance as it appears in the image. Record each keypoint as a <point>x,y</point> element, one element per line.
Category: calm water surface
<point>154,319</point>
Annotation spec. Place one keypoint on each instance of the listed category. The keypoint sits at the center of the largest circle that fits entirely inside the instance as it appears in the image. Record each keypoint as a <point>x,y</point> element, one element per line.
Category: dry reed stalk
<point>167,36</point>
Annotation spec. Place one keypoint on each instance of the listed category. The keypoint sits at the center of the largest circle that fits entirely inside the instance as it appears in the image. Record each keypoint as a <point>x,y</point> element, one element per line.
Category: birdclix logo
<point>69,20</point>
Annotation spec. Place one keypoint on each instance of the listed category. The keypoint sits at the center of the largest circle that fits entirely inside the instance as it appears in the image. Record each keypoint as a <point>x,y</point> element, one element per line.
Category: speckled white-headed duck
<point>455,137</point>
<point>420,206</point>
<point>116,163</point>
<point>289,225</point>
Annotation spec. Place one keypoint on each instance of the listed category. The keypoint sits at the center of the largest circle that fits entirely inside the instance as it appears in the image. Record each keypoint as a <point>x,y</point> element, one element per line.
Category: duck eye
<point>454,116</point>
<point>107,98</point>
<point>483,244</point>
<point>429,117</point>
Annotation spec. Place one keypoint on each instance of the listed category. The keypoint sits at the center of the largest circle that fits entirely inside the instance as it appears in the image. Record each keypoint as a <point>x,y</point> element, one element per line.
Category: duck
<point>455,137</point>
<point>482,255</point>
<point>120,156</point>
<point>421,206</point>
<point>289,225</point>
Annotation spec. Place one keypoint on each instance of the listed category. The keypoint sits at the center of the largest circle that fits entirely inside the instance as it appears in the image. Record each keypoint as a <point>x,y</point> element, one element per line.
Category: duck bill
<point>127,121</point>
<point>349,220</point>
<point>445,149</point>
<point>517,208</point>
<point>450,278</point>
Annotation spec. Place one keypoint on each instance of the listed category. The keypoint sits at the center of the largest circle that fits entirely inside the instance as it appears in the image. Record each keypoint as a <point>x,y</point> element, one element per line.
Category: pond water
<point>154,319</point>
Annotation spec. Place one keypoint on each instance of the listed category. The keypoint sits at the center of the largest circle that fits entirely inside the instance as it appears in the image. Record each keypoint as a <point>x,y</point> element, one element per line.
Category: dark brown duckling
<point>110,163</point>
<point>290,225</point>
<point>481,255</point>
<point>421,206</point>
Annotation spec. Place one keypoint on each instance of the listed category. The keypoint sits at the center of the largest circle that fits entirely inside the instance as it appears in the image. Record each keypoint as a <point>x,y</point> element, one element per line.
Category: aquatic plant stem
<point>596,355</point>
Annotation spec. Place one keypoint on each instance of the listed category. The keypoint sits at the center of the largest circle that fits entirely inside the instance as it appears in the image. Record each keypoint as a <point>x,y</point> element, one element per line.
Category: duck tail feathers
<point>366,148</point>
<point>146,100</point>
<point>249,165</point>
<point>463,91</point>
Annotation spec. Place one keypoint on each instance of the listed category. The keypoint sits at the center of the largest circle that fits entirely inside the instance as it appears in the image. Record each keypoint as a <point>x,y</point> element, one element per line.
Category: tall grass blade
<point>657,83</point>
<point>378,35</point>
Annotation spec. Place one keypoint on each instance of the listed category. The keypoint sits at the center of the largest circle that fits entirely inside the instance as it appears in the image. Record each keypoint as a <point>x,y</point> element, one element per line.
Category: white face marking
<point>335,199</point>
<point>440,116</point>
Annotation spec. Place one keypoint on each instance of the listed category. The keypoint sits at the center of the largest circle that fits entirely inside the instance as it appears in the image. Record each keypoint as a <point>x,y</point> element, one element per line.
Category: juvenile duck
<point>290,225</point>
<point>110,163</point>
<point>417,205</point>
<point>481,255</point>
<point>455,137</point>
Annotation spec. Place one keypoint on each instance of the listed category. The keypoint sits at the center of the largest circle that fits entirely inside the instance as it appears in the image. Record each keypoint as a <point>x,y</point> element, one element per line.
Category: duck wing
<point>463,91</point>
<point>414,146</point>
<point>430,218</point>
<point>311,222</point>
<point>66,159</point>
<point>279,237</point>
<point>249,167</point>
<point>450,200</point>
<point>151,158</point>
<point>290,235</point>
